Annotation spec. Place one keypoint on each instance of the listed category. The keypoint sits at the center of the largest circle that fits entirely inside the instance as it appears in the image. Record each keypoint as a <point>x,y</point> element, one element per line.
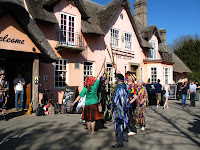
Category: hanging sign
<point>8,39</point>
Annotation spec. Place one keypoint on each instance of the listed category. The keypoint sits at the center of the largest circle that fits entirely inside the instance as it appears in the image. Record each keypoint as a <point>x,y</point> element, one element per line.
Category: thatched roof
<point>148,31</point>
<point>35,8</point>
<point>49,5</point>
<point>17,9</point>
<point>107,12</point>
<point>95,17</point>
<point>42,10</point>
<point>92,24</point>
<point>178,65</point>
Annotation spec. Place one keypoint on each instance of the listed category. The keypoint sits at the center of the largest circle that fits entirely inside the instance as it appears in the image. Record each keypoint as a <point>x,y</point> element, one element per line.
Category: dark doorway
<point>134,69</point>
<point>14,63</point>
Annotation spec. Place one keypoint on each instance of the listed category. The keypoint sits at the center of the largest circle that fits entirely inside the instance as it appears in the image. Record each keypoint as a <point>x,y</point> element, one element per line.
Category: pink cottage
<point>76,36</point>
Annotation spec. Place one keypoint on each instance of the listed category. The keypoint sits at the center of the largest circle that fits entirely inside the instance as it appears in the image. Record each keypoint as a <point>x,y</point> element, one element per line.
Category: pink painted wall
<point>95,52</point>
<point>48,69</point>
<point>124,26</point>
<point>159,65</point>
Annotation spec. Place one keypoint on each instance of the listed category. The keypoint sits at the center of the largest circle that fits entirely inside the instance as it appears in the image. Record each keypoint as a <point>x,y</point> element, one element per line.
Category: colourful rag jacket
<point>131,90</point>
<point>120,104</point>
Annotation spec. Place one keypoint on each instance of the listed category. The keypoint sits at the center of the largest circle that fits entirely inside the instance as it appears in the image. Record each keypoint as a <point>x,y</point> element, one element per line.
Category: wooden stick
<point>112,53</point>
<point>109,55</point>
<point>101,67</point>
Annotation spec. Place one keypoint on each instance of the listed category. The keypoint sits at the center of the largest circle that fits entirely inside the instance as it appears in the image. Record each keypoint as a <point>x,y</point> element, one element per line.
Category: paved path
<point>175,128</point>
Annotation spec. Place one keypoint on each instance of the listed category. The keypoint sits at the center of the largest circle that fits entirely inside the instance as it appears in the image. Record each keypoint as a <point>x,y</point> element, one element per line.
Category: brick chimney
<point>140,9</point>
<point>163,35</point>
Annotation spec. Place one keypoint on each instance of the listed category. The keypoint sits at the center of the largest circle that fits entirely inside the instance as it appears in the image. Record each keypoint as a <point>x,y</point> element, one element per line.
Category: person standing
<point>142,102</point>
<point>184,91</point>
<point>132,95</point>
<point>197,91</point>
<point>19,83</point>
<point>158,88</point>
<point>192,91</point>
<point>90,112</point>
<point>166,87</point>
<point>4,88</point>
<point>120,106</point>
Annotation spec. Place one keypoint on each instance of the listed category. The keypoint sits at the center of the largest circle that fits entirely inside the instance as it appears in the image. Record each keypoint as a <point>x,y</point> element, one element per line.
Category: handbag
<point>163,91</point>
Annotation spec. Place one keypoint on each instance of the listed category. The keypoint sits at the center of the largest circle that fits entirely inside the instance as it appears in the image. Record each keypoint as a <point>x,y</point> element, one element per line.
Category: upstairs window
<point>114,37</point>
<point>153,50</point>
<point>67,29</point>
<point>128,41</point>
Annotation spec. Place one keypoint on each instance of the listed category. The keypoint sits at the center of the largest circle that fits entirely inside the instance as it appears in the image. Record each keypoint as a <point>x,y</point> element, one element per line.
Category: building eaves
<point>178,65</point>
<point>17,9</point>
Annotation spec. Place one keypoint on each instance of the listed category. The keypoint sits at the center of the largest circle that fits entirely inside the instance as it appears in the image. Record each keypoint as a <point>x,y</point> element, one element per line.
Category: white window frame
<point>114,40</point>
<point>86,75</point>
<point>168,75</point>
<point>130,42</point>
<point>66,41</point>
<point>111,72</point>
<point>153,51</point>
<point>61,70</point>
<point>151,80</point>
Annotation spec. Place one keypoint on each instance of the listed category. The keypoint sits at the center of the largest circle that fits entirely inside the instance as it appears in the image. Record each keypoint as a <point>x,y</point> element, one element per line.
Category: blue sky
<point>178,17</point>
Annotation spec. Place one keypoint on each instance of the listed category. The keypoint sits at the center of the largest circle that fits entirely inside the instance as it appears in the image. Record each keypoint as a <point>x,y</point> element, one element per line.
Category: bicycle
<point>47,99</point>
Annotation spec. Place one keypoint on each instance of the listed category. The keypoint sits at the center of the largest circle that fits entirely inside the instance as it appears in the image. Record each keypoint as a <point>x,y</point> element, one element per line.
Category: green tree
<point>187,48</point>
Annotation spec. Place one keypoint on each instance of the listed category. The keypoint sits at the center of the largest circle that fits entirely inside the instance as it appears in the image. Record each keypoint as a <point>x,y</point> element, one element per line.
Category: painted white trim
<point>169,74</point>
<point>67,26</point>
<point>113,75</point>
<point>156,51</point>
<point>84,69</point>
<point>151,74</point>
<point>131,41</point>
<point>119,41</point>
<point>67,73</point>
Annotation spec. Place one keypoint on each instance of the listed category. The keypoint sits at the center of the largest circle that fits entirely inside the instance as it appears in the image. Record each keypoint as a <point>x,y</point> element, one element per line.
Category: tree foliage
<point>187,48</point>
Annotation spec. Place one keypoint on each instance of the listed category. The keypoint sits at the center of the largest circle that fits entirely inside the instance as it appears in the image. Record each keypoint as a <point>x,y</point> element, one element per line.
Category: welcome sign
<point>8,39</point>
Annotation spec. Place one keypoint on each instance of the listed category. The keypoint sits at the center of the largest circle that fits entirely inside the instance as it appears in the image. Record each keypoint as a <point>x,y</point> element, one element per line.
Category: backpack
<point>39,111</point>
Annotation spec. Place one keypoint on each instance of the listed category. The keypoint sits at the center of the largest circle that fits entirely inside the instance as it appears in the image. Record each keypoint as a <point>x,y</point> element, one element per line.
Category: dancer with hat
<point>120,106</point>
<point>132,95</point>
<point>4,88</point>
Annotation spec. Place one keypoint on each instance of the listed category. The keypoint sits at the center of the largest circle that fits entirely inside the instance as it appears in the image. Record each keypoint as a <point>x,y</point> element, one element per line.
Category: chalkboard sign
<point>69,96</point>
<point>172,92</point>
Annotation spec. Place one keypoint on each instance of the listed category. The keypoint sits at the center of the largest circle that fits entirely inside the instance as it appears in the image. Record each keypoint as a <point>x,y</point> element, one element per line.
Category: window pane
<point>60,73</point>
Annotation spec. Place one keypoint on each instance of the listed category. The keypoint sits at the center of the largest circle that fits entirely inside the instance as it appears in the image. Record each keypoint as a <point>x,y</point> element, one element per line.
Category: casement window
<point>114,37</point>
<point>88,69</point>
<point>128,41</point>
<point>153,54</point>
<point>153,74</point>
<point>110,73</point>
<point>67,29</point>
<point>60,73</point>
<point>166,74</point>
